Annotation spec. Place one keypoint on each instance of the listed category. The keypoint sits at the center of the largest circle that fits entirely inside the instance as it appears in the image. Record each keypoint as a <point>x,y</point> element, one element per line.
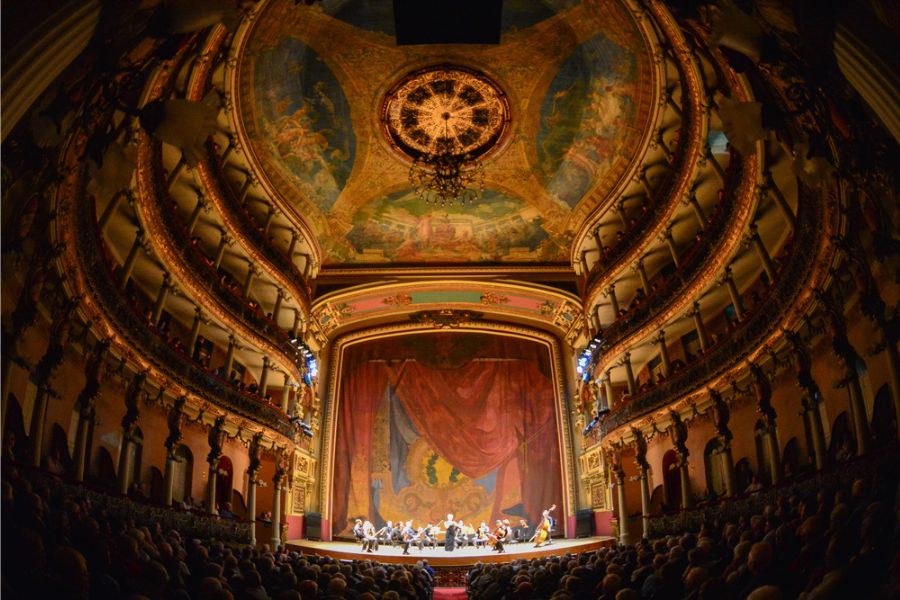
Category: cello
<point>542,534</point>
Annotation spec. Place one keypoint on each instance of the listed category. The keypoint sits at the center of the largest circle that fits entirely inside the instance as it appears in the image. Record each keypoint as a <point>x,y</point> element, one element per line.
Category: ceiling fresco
<point>311,82</point>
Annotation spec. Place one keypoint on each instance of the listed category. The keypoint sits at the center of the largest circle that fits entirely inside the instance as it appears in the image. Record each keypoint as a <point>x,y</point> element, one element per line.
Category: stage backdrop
<point>437,423</point>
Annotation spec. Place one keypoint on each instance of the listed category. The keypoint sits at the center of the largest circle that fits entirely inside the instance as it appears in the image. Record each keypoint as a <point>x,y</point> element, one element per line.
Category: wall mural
<point>588,105</point>
<point>311,80</point>
<point>305,119</point>
<point>402,228</point>
<point>439,423</point>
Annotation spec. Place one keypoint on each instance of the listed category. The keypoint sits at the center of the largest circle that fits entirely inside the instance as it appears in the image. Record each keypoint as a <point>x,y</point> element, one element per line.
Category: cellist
<point>496,538</point>
<point>542,533</point>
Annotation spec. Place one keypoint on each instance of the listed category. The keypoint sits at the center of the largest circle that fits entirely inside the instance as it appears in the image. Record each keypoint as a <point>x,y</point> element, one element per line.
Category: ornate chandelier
<point>447,176</point>
<point>445,119</point>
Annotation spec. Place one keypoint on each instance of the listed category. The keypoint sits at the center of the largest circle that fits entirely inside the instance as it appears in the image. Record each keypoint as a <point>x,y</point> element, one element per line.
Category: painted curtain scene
<point>438,423</point>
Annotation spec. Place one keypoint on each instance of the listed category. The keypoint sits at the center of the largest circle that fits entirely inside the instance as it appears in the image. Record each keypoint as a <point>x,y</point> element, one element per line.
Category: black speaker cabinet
<point>313,524</point>
<point>584,523</point>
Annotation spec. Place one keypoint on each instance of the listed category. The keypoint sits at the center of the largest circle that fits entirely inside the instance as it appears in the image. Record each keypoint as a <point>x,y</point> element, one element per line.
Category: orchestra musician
<point>542,532</point>
<point>386,533</point>
<point>452,529</point>
<point>408,536</point>
<point>429,535</point>
<point>496,538</point>
<point>370,537</point>
<point>358,532</point>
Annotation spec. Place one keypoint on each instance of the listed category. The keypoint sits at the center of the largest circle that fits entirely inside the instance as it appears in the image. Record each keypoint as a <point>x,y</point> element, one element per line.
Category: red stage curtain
<point>364,387</point>
<point>485,414</point>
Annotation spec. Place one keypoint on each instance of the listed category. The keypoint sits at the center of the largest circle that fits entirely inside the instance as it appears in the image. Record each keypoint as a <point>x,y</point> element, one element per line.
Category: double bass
<point>542,533</point>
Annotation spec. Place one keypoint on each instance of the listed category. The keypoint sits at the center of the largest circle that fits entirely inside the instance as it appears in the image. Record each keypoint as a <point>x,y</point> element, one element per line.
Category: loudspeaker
<point>584,523</point>
<point>313,522</point>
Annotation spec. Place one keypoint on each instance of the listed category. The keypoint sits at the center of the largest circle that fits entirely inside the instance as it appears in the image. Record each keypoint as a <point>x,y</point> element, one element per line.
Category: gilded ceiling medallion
<point>443,107</point>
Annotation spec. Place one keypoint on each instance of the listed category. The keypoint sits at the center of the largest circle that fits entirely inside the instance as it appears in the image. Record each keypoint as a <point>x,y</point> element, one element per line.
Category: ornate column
<point>295,328</point>
<point>642,274</point>
<point>620,211</point>
<point>252,481</point>
<point>129,426</point>
<point>664,353</point>
<point>286,393</point>
<point>216,440</point>
<point>640,457</point>
<point>598,239</point>
<point>721,415</point>
<point>195,214</point>
<point>277,479</point>
<point>611,292</point>
<point>161,299</point>
<point>226,153</point>
<point>224,242</point>
<point>174,419</point>
<point>276,310</point>
<point>109,211</point>
<point>669,240</point>
<point>245,188</point>
<point>811,397</point>
<point>700,326</point>
<point>43,374</point>
<point>619,475</point>
<point>728,280</point>
<point>851,360</point>
<point>780,200</point>
<point>248,280</point>
<point>85,405</point>
<point>229,356</point>
<point>270,216</point>
<point>714,163</point>
<point>176,173</point>
<point>762,390</point>
<point>629,374</point>
<point>678,433</point>
<point>691,200</point>
<point>195,332</point>
<point>128,265</point>
<point>763,254</point>
<point>264,377</point>
<point>292,246</point>
<point>608,388</point>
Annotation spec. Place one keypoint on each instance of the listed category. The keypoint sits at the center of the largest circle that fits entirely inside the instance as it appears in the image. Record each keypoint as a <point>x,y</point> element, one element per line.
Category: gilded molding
<point>355,307</point>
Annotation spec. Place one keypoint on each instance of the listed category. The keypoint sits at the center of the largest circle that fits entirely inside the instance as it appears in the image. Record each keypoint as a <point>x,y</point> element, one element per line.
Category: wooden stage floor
<point>461,557</point>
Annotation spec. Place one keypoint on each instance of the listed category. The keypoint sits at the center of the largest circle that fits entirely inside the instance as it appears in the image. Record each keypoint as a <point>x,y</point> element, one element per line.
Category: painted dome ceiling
<point>311,85</point>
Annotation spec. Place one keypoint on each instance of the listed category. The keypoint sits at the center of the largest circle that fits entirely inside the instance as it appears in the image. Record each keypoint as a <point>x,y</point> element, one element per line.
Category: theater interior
<point>272,266</point>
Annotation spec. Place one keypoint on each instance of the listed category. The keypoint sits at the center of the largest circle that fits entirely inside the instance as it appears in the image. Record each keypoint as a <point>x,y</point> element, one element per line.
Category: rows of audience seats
<point>62,547</point>
<point>838,544</point>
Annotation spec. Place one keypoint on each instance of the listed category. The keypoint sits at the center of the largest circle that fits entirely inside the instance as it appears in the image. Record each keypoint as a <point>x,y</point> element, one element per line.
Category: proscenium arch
<point>560,397</point>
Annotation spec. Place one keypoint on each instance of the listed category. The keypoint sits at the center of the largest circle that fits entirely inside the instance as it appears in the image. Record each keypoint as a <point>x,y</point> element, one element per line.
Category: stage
<point>438,557</point>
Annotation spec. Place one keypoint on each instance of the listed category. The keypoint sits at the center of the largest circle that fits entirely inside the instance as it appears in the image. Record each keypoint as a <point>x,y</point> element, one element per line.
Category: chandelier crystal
<point>447,176</point>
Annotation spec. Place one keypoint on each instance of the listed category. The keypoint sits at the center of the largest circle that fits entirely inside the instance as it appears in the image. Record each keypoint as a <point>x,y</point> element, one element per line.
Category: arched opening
<point>762,473</point>
<point>157,485</point>
<point>15,442</point>
<point>884,418</point>
<point>105,469</point>
<point>715,478</point>
<point>842,446</point>
<point>671,481</point>
<point>183,474</point>
<point>742,474</point>
<point>224,478</point>
<point>59,461</point>
<point>790,459</point>
<point>656,500</point>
